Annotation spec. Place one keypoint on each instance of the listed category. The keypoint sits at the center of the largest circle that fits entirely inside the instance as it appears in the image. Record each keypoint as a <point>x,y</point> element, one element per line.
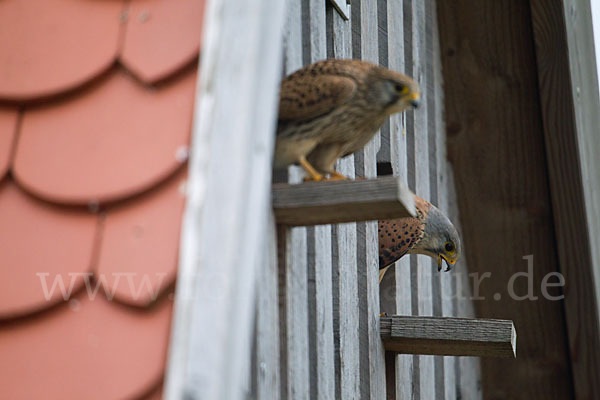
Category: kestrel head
<point>395,92</point>
<point>440,239</point>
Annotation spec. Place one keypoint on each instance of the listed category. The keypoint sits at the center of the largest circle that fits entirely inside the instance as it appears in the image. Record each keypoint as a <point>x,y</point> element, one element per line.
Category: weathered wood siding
<point>495,113</point>
<point>214,314</point>
<point>328,293</point>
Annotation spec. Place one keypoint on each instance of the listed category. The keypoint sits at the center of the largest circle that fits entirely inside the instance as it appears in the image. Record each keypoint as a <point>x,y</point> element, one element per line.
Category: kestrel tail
<point>430,233</point>
<point>332,108</point>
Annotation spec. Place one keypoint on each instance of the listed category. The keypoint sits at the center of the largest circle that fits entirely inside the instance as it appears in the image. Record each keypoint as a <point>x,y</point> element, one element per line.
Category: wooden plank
<point>372,357</point>
<point>266,370</point>
<point>228,192</point>
<point>345,280</point>
<point>568,87</point>
<point>292,244</point>
<point>449,336</point>
<point>499,138</point>
<point>314,203</point>
<point>320,303</point>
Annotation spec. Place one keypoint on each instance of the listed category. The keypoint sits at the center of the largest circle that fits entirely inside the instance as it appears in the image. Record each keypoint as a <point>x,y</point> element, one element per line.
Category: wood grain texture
<point>372,356</point>
<point>266,369</point>
<point>383,154</point>
<point>358,360</point>
<point>395,291</point>
<point>423,291</point>
<point>387,287</point>
<point>467,369</point>
<point>345,273</point>
<point>584,89</point>
<point>569,103</point>
<point>443,284</point>
<point>449,336</point>
<point>293,312</point>
<point>226,183</point>
<point>496,146</point>
<point>320,292</point>
<point>292,244</point>
<point>432,100</point>
<point>314,203</point>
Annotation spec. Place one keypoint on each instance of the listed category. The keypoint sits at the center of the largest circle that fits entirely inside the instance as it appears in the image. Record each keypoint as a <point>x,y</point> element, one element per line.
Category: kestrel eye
<point>449,247</point>
<point>400,88</point>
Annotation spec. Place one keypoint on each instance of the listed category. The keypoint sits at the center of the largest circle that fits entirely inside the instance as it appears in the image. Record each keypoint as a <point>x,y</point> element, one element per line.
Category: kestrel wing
<point>396,238</point>
<point>307,96</point>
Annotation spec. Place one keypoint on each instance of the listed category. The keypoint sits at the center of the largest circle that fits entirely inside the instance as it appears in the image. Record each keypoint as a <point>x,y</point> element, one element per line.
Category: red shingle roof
<point>96,103</point>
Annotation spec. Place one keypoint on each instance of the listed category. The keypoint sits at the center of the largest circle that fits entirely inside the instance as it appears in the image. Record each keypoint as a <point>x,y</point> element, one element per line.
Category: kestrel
<point>430,233</point>
<point>332,108</point>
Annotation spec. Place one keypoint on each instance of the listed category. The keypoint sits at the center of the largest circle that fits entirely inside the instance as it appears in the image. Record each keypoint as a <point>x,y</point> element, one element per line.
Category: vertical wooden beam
<point>408,20</point>
<point>446,288</point>
<point>228,197</point>
<point>372,363</point>
<point>467,369</point>
<point>496,145</point>
<point>443,291</point>
<point>345,278</point>
<point>321,314</point>
<point>568,85</point>
<point>462,375</point>
<point>383,154</point>
<point>424,270</point>
<point>387,286</point>
<point>293,312</point>
<point>320,293</point>
<point>266,369</point>
<point>398,277</point>
<point>293,259</point>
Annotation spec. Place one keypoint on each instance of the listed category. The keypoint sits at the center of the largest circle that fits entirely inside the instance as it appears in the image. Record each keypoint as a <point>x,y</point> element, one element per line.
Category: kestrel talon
<point>332,108</point>
<point>430,233</point>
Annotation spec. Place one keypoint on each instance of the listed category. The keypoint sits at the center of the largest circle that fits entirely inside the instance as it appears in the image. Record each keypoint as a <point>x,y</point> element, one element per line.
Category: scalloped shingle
<point>93,154</point>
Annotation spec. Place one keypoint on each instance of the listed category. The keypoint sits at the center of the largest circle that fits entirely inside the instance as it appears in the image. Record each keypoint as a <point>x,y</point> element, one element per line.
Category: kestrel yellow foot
<point>336,176</point>
<point>313,179</point>
<point>313,174</point>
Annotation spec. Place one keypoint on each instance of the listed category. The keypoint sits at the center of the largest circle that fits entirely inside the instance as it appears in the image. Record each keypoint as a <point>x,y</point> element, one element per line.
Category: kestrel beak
<point>414,100</point>
<point>449,263</point>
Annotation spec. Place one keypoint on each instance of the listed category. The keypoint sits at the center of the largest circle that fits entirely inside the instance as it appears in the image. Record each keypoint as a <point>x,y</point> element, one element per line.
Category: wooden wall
<point>496,142</point>
<point>317,335</point>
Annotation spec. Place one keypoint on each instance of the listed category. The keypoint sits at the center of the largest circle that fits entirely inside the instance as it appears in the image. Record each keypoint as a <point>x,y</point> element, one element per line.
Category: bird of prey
<point>430,233</point>
<point>332,108</point>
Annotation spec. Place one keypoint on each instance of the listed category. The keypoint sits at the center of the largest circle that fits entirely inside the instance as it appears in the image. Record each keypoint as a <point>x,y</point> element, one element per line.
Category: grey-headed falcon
<point>430,233</point>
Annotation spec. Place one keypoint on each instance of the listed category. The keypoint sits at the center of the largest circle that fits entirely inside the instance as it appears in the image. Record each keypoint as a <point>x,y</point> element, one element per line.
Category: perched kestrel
<point>332,108</point>
<point>430,233</point>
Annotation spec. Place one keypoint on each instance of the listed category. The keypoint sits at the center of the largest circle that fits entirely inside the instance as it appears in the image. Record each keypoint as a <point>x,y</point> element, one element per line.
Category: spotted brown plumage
<point>332,108</point>
<point>430,233</point>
